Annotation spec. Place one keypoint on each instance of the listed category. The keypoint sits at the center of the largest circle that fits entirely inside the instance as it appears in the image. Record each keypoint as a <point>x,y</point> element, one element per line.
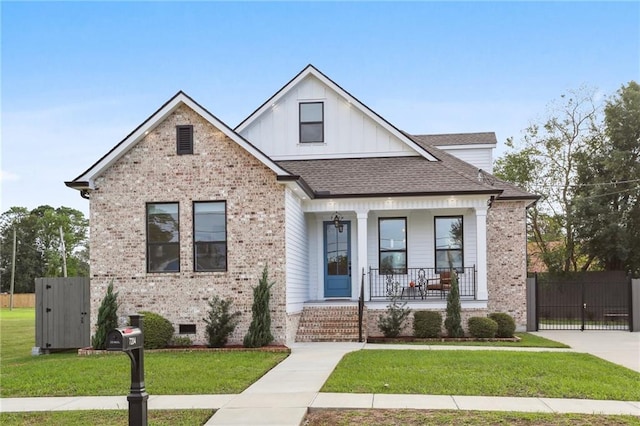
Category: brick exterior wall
<point>219,169</point>
<point>507,260</point>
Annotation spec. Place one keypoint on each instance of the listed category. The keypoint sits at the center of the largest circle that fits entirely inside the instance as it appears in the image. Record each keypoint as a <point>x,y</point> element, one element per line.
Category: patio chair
<point>442,284</point>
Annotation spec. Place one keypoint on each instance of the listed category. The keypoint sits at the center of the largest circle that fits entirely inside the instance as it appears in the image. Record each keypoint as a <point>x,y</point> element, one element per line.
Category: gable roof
<point>86,179</point>
<point>310,70</point>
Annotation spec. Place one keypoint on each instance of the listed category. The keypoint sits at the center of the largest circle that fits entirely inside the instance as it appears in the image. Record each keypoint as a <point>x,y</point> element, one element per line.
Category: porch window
<point>311,122</point>
<point>449,242</point>
<point>163,237</point>
<point>393,245</point>
<point>209,236</point>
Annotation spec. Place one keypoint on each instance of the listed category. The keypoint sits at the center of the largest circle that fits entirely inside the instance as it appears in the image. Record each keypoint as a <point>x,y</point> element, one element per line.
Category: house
<point>331,197</point>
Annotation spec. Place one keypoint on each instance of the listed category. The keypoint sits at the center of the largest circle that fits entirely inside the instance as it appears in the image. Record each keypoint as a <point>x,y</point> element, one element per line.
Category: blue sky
<point>77,77</point>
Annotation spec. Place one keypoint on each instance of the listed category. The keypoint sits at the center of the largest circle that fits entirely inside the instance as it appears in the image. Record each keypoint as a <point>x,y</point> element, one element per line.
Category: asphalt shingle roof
<point>388,176</point>
<point>481,138</point>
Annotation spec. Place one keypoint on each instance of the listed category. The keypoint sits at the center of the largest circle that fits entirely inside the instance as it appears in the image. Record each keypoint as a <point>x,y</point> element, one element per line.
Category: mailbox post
<point>131,341</point>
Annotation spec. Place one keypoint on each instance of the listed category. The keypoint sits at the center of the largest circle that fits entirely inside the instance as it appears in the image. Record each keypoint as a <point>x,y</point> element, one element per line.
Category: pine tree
<point>259,333</point>
<point>453,322</point>
<point>107,318</point>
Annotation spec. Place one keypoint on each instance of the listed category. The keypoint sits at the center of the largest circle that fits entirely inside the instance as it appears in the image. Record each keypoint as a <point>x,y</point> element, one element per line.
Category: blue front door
<point>337,260</point>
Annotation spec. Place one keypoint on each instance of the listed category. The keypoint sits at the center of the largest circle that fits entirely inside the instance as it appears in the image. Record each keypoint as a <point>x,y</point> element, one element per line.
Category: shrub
<point>482,327</point>
<point>506,324</point>
<point>158,331</point>
<point>107,318</point>
<point>427,324</point>
<point>180,341</point>
<point>453,322</point>
<point>221,322</point>
<point>391,323</point>
<point>259,333</point>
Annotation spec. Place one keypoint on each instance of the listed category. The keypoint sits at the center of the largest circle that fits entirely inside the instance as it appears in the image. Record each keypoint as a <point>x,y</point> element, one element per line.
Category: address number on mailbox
<point>124,339</point>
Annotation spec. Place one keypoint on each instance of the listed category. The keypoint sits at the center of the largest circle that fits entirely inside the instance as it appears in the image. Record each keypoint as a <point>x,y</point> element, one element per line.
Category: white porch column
<point>362,252</point>
<point>481,250</point>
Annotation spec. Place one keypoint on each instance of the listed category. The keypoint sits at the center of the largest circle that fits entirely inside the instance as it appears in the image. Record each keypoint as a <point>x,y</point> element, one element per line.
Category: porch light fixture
<point>336,222</point>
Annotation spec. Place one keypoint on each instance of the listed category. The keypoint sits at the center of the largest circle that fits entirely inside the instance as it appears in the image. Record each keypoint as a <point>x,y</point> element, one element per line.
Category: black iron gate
<point>583,301</point>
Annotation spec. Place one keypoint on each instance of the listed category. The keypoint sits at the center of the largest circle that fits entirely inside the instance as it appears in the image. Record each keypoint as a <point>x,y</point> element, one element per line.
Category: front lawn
<point>166,373</point>
<point>104,418</point>
<point>491,373</point>
<point>527,340</point>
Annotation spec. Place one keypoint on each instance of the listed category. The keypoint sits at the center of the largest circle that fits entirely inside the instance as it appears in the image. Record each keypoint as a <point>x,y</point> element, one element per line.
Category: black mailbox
<point>124,339</point>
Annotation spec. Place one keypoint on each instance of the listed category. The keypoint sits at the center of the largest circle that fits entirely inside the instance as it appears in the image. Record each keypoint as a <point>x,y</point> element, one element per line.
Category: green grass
<point>491,373</point>
<point>407,417</point>
<point>166,373</point>
<point>104,418</point>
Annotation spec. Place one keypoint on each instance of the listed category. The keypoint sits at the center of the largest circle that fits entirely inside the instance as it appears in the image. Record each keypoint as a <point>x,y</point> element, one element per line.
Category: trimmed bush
<point>453,321</point>
<point>482,327</point>
<point>427,324</point>
<point>221,322</point>
<point>506,324</point>
<point>158,331</point>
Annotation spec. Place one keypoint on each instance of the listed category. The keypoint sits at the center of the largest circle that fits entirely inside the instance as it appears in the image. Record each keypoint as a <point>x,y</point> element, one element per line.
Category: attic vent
<point>184,139</point>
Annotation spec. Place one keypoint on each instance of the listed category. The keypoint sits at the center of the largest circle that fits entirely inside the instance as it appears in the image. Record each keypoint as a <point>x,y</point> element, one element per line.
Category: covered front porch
<point>381,249</point>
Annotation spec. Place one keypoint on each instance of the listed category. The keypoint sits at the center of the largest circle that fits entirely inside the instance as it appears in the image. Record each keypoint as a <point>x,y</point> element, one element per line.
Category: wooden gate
<point>583,301</point>
<point>62,313</point>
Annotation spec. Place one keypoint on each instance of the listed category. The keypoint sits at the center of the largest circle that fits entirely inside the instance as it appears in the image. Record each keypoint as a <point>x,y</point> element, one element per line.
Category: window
<point>448,242</point>
<point>311,122</point>
<point>184,139</point>
<point>393,245</point>
<point>210,236</point>
<point>163,237</point>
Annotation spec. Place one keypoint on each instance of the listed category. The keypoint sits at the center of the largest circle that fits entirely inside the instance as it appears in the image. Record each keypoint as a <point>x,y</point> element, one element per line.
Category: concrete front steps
<point>330,323</point>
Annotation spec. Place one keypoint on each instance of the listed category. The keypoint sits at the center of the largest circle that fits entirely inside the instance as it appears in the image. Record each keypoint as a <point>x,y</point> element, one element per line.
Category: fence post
<point>634,312</point>
<point>532,323</point>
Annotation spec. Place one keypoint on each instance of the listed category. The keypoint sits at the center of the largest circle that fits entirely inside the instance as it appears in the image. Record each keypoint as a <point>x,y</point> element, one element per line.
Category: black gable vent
<point>184,139</point>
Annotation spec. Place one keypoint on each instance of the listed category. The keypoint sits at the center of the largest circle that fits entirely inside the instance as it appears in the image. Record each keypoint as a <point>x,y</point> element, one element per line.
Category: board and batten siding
<point>296,252</point>
<point>348,132</point>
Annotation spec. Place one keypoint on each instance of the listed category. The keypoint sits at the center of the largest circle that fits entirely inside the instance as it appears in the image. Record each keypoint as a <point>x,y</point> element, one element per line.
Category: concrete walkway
<point>283,395</point>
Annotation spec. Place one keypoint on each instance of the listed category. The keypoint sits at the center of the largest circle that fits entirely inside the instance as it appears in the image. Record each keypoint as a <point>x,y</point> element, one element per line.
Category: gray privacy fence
<point>62,313</point>
<point>607,300</point>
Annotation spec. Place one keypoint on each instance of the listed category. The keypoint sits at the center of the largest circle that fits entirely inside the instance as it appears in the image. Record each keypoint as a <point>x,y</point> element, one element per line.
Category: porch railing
<point>419,283</point>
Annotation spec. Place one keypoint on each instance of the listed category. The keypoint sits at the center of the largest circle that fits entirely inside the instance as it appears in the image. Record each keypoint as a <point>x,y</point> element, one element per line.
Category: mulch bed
<point>195,348</point>
<point>405,339</point>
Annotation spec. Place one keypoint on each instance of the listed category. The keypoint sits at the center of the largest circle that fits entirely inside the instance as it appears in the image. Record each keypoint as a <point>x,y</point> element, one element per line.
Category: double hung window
<point>163,237</point>
<point>449,242</point>
<point>311,122</point>
<point>393,245</point>
<point>210,236</point>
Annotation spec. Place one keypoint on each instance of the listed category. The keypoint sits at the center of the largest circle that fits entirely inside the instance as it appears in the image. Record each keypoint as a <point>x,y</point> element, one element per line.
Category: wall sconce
<point>337,222</point>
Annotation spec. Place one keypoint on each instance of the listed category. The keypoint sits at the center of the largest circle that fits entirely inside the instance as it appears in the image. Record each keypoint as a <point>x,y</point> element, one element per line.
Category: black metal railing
<point>420,283</point>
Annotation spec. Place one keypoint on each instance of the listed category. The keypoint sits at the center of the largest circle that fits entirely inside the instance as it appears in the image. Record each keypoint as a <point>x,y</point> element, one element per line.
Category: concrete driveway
<point>620,347</point>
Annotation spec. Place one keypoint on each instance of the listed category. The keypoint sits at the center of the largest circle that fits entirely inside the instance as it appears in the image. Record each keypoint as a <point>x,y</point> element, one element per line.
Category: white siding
<point>482,158</point>
<point>420,237</point>
<point>348,132</point>
<point>296,252</point>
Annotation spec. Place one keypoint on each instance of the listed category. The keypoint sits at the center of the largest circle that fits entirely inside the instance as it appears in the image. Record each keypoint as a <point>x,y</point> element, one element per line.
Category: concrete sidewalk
<point>283,395</point>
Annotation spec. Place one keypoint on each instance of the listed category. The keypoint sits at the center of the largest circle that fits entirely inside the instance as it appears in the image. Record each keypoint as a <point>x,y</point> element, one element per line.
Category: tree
<point>259,333</point>
<point>38,252</point>
<point>545,163</point>
<point>453,320</point>
<point>607,206</point>
<point>107,318</point>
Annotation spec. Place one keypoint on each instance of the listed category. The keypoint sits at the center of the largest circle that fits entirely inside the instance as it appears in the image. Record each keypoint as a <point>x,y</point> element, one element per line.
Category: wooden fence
<point>20,300</point>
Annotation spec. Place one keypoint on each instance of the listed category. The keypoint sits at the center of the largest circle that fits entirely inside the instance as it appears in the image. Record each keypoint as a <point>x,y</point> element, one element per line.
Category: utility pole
<point>64,254</point>
<point>13,270</point>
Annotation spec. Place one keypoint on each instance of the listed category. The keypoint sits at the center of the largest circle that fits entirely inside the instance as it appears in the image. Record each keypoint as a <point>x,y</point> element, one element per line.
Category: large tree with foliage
<point>39,247</point>
<point>607,196</point>
<point>545,162</point>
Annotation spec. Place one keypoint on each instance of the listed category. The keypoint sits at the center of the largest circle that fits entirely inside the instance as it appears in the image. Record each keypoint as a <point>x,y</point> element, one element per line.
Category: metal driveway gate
<point>583,301</point>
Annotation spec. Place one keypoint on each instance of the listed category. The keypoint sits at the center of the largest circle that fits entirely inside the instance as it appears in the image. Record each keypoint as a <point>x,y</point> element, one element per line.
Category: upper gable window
<point>311,122</point>
<point>184,139</point>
